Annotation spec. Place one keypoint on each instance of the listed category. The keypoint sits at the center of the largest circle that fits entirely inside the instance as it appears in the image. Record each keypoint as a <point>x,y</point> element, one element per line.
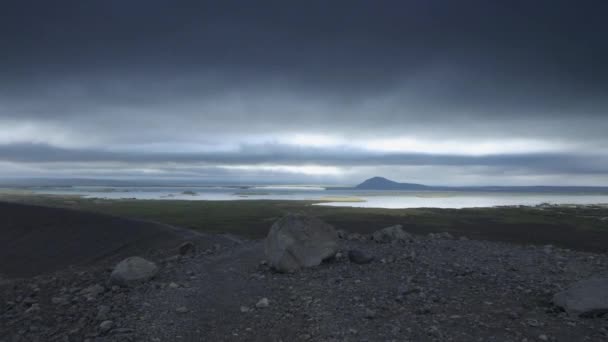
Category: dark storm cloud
<point>105,76</point>
<point>353,44</point>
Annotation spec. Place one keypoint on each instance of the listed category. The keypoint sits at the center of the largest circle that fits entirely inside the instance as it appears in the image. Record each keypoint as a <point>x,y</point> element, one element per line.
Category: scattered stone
<point>370,314</point>
<point>102,312</point>
<point>297,241</point>
<point>263,303</point>
<point>186,248</point>
<point>182,309</point>
<point>355,237</point>
<point>342,234</point>
<point>105,326</point>
<point>59,301</point>
<point>584,298</point>
<point>132,271</point>
<point>245,309</point>
<point>392,233</point>
<point>359,257</point>
<point>442,235</point>
<point>92,291</point>
<point>33,309</point>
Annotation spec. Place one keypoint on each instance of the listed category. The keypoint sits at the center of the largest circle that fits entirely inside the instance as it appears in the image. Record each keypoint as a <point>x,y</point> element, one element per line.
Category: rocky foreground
<point>375,288</point>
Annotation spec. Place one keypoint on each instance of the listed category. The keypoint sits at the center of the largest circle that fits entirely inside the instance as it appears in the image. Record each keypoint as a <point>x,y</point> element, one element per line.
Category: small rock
<point>442,235</point>
<point>262,303</point>
<point>173,285</point>
<point>182,309</point>
<point>370,314</point>
<point>355,237</point>
<point>33,308</point>
<point>93,290</point>
<point>186,248</point>
<point>59,301</point>
<point>245,309</point>
<point>533,323</point>
<point>392,233</point>
<point>102,312</point>
<point>359,257</point>
<point>105,326</point>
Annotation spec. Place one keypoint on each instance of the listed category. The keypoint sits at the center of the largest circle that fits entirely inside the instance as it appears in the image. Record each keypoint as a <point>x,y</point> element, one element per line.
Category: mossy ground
<point>573,227</point>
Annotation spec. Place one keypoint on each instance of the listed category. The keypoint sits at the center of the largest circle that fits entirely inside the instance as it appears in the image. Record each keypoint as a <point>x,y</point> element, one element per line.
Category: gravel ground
<point>430,289</point>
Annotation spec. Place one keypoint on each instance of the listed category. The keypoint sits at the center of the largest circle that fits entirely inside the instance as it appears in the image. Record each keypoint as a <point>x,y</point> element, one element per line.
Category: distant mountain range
<point>381,183</point>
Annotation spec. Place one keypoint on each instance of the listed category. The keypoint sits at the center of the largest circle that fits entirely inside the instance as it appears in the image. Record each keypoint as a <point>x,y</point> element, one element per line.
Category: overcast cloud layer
<point>436,92</point>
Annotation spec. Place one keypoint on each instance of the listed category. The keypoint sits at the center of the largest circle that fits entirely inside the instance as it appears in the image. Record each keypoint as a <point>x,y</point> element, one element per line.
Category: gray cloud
<point>288,155</point>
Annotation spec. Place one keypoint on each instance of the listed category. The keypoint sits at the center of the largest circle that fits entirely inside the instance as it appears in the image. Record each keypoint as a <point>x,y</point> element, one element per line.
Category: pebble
<point>182,309</point>
<point>262,303</point>
<point>369,313</point>
<point>105,326</point>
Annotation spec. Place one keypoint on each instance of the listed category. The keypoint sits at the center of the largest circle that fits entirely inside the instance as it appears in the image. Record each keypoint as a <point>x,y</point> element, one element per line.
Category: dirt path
<point>212,290</point>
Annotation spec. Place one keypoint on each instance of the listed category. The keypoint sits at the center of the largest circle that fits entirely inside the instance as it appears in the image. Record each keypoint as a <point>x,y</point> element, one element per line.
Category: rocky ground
<point>429,289</point>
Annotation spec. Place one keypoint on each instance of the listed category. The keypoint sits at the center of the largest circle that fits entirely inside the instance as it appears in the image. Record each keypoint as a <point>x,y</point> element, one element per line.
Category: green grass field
<point>579,228</point>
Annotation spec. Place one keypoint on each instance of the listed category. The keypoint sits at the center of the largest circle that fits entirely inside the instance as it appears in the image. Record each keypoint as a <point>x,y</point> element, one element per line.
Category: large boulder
<point>584,298</point>
<point>132,271</point>
<point>297,241</point>
<point>390,234</point>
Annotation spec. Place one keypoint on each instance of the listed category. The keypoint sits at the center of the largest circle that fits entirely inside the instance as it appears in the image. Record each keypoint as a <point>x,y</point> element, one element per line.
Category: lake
<point>349,198</point>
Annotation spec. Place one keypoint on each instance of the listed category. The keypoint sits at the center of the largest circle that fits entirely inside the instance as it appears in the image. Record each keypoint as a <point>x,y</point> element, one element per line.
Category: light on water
<point>338,198</point>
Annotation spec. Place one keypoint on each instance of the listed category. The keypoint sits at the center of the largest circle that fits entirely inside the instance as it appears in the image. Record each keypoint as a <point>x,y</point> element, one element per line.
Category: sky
<point>309,92</point>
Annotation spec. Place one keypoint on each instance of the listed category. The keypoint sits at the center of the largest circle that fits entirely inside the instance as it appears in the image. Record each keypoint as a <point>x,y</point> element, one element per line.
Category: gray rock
<point>133,270</point>
<point>584,298</point>
<point>186,248</point>
<point>182,309</point>
<point>359,257</point>
<point>105,326</point>
<point>392,233</point>
<point>60,301</point>
<point>356,237</point>
<point>442,235</point>
<point>297,241</point>
<point>93,290</point>
<point>102,312</point>
<point>342,234</point>
<point>370,314</point>
<point>262,303</point>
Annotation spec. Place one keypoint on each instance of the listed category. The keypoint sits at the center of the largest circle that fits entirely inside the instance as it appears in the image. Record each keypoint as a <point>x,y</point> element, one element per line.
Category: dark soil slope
<point>36,240</point>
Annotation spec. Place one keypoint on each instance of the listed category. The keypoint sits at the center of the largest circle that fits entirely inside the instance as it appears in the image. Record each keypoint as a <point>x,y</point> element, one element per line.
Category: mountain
<point>381,183</point>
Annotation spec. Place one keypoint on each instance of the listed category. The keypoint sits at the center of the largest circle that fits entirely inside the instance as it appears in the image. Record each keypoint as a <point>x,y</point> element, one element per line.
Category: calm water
<point>349,198</point>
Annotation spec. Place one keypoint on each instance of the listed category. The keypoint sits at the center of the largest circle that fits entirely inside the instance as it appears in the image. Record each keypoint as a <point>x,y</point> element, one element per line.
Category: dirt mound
<point>36,240</point>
